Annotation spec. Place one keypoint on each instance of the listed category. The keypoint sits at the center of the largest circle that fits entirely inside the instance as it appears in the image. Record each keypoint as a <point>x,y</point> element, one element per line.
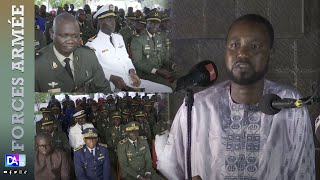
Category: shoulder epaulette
<point>137,35</point>
<point>92,38</point>
<point>101,144</point>
<point>88,47</point>
<point>78,148</point>
<point>143,137</point>
<point>123,140</point>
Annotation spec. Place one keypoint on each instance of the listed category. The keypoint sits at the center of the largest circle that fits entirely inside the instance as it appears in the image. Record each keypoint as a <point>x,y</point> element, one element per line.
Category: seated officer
<point>134,155</point>
<point>75,133</point>
<point>91,160</point>
<point>145,130</point>
<point>59,138</point>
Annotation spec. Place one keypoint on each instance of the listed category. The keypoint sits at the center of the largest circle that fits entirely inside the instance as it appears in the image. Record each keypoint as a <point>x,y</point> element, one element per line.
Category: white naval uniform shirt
<point>75,135</point>
<point>114,59</point>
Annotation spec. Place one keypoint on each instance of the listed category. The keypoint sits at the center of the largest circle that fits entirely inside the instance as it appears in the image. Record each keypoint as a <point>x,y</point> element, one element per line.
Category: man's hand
<point>135,79</point>
<point>118,82</point>
<point>164,73</point>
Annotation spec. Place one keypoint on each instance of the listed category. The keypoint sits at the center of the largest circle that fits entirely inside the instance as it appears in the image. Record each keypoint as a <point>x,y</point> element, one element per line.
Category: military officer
<point>59,138</point>
<point>47,115</point>
<point>148,53</point>
<point>126,116</point>
<point>134,155</point>
<point>151,113</point>
<point>63,66</point>
<point>160,126</point>
<point>120,20</point>
<point>75,133</point>
<point>103,123</point>
<point>49,162</point>
<point>39,39</point>
<point>144,130</point>
<point>165,35</point>
<point>129,31</point>
<point>60,119</point>
<point>86,28</point>
<point>93,116</point>
<point>91,160</point>
<point>117,133</point>
<point>113,57</point>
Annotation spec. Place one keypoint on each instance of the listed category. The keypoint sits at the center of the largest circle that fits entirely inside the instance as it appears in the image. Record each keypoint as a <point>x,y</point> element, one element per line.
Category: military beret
<point>132,126</point>
<point>153,16</point>
<point>79,114</point>
<point>90,133</point>
<point>105,11</point>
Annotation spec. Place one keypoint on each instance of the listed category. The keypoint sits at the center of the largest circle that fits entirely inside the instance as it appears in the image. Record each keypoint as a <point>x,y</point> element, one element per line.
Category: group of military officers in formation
<point>107,137</point>
<point>144,40</point>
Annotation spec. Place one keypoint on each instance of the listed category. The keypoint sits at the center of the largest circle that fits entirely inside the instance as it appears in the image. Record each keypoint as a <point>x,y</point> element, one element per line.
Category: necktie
<point>111,40</point>
<point>91,152</point>
<point>81,128</point>
<point>67,67</point>
<point>135,144</point>
<point>154,42</point>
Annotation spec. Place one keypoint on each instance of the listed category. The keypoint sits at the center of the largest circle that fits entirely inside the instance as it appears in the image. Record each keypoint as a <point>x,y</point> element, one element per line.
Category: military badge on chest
<point>129,155</point>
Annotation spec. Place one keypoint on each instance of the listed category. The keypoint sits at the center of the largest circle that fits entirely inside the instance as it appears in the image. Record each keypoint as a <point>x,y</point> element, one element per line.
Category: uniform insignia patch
<point>103,145</point>
<point>54,65</point>
<point>52,84</point>
<point>76,149</point>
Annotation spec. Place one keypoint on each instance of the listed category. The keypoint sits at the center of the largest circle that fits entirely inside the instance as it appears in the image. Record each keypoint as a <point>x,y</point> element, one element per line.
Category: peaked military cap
<point>90,133</point>
<point>153,16</point>
<point>45,110</point>
<point>47,121</point>
<point>131,16</point>
<point>116,114</point>
<point>126,111</point>
<point>132,126</point>
<point>105,11</point>
<point>164,17</point>
<point>79,114</point>
<point>140,114</point>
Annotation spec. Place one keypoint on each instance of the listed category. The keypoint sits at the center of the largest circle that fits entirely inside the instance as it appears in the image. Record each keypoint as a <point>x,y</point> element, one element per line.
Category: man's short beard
<point>255,77</point>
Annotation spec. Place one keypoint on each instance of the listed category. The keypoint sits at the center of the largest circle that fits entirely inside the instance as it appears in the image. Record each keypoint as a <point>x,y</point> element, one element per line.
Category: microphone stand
<point>189,100</point>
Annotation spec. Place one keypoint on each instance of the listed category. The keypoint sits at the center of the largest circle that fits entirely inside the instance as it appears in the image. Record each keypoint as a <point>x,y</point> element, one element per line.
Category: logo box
<point>15,160</point>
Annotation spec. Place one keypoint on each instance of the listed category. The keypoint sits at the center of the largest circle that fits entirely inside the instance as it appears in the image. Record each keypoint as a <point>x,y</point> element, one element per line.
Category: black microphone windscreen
<point>202,74</point>
<point>265,104</point>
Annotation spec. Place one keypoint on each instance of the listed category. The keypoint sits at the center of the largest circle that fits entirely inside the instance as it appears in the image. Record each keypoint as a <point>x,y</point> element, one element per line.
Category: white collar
<point>150,35</point>
<point>61,57</point>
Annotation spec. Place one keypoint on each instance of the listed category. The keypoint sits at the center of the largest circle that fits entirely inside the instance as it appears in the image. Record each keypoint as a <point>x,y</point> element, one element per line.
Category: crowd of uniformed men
<point>108,139</point>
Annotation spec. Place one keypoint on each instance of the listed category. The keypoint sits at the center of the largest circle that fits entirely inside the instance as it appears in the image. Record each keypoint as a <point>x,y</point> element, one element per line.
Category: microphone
<point>272,104</point>
<point>203,74</point>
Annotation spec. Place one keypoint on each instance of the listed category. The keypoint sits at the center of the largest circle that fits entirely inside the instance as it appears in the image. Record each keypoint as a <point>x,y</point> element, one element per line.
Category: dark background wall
<point>199,28</point>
